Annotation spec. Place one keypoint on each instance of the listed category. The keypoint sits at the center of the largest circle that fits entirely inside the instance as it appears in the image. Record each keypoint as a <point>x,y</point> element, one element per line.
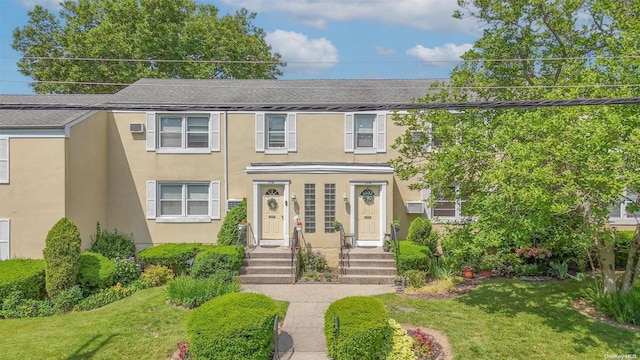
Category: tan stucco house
<point>166,159</point>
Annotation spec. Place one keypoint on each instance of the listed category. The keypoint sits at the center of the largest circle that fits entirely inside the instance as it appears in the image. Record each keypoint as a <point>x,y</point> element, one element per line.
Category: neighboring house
<point>166,159</point>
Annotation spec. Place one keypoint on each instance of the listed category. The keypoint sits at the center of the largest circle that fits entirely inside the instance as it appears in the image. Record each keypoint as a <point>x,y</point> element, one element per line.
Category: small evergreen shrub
<point>23,275</point>
<point>113,245</point>
<point>364,332</point>
<point>61,256</point>
<point>191,292</point>
<point>127,271</point>
<point>233,326</point>
<point>216,258</point>
<point>413,256</point>
<point>228,234</point>
<point>157,275</point>
<point>420,232</point>
<point>95,272</point>
<point>174,256</point>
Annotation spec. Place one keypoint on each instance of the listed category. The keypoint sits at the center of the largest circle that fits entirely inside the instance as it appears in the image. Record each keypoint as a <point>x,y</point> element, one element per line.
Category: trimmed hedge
<point>227,258</point>
<point>233,326</point>
<point>174,256</point>
<point>364,332</point>
<point>228,234</point>
<point>95,272</point>
<point>61,256</point>
<point>420,232</point>
<point>413,256</point>
<point>23,275</point>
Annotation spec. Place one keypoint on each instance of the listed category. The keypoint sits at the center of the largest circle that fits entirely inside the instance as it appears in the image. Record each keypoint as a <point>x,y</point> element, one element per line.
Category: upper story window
<point>183,133</point>
<point>619,214</point>
<point>276,133</point>
<point>183,201</point>
<point>365,133</point>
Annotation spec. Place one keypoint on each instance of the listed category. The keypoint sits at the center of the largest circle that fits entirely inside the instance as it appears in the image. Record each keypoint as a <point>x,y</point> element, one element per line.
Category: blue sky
<point>325,39</point>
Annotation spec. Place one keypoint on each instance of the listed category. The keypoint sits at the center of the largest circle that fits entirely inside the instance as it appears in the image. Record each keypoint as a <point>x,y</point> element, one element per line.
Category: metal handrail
<point>396,245</point>
<point>294,253</point>
<point>242,230</point>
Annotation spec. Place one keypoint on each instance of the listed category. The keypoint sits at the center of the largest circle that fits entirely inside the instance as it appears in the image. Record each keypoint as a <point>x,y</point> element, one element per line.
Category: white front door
<point>368,214</point>
<point>272,214</point>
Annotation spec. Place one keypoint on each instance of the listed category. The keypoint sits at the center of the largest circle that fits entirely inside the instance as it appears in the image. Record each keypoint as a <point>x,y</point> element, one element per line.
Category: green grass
<point>504,319</point>
<point>142,326</point>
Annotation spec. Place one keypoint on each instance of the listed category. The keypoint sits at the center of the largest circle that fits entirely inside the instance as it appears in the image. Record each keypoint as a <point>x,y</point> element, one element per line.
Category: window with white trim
<point>189,132</point>
<point>365,133</point>
<point>4,239</point>
<point>183,201</point>
<point>4,160</point>
<point>620,214</point>
<point>449,205</point>
<point>276,133</point>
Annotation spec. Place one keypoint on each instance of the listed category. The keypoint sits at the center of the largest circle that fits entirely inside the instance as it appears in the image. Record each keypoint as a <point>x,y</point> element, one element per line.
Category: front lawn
<point>505,319</point>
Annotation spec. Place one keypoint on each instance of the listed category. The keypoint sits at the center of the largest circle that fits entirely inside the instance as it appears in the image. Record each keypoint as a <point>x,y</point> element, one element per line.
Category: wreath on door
<point>368,195</point>
<point>272,204</point>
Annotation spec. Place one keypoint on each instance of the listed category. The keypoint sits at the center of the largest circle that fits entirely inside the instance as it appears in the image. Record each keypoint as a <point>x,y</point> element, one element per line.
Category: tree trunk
<point>607,265</point>
<point>632,270</point>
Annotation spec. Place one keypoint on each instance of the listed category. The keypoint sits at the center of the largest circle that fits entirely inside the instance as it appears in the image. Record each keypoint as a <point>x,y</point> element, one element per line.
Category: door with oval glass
<point>368,213</point>
<point>272,212</point>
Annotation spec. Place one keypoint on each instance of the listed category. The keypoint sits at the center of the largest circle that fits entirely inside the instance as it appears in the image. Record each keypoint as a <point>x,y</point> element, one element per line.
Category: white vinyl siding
<point>178,133</point>
<point>183,201</point>
<point>4,160</point>
<point>4,239</point>
<point>365,133</point>
<point>276,133</point>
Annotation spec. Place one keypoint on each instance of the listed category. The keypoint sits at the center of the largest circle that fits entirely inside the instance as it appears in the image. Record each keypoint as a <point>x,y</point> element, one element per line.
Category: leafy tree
<point>139,29</point>
<point>61,256</point>
<point>545,174</point>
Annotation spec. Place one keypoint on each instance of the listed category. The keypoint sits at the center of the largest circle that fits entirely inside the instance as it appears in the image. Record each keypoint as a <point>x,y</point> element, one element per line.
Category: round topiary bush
<point>233,326</point>
<point>413,256</point>
<point>228,233</point>
<point>23,275</point>
<point>61,256</point>
<point>95,272</point>
<point>420,232</point>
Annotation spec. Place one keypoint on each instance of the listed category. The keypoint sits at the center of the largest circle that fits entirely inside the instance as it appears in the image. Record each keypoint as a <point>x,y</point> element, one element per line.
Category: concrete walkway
<point>302,336</point>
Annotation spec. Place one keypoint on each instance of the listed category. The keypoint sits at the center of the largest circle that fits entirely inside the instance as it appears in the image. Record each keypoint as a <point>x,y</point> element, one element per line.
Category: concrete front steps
<point>263,265</point>
<point>367,266</point>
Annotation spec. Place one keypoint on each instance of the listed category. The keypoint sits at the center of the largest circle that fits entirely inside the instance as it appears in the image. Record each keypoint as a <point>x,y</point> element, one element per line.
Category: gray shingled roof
<point>45,118</point>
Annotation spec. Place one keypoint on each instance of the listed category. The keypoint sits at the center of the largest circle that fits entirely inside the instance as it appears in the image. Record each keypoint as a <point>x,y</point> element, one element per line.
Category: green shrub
<point>413,256</point>
<point>623,242</point>
<point>14,306</point>
<point>233,326</point>
<point>420,232</point>
<point>67,300</point>
<point>104,297</point>
<point>23,275</point>
<point>312,262</point>
<point>157,275</point>
<point>622,307</point>
<point>364,332</point>
<point>216,258</point>
<point>174,256</point>
<point>415,278</point>
<point>61,256</point>
<point>402,348</point>
<point>228,234</point>
<point>95,272</point>
<point>113,245</point>
<point>528,270</point>
<point>127,271</point>
<point>191,292</point>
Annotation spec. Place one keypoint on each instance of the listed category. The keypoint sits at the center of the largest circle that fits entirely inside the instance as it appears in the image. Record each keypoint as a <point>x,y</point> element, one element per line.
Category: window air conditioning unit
<point>414,207</point>
<point>136,128</point>
<point>231,203</point>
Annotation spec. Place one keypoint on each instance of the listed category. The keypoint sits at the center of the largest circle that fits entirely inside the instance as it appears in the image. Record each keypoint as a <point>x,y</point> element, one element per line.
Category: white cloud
<point>421,14</point>
<point>303,55</point>
<point>381,50</point>
<point>445,53</point>
<point>49,4</point>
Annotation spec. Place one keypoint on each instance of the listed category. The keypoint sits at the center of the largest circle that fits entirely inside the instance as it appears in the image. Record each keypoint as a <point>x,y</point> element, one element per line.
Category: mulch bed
<point>587,309</point>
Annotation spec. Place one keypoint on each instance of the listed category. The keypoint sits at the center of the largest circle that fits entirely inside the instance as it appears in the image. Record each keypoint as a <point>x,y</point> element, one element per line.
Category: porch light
<point>344,197</point>
<point>293,197</point>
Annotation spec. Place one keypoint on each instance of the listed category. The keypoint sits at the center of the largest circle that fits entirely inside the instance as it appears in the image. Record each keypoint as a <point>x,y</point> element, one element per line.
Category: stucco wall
<point>34,200</point>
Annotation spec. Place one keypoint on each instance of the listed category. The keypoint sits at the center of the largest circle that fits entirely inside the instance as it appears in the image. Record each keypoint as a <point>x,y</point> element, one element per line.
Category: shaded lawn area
<point>508,319</point>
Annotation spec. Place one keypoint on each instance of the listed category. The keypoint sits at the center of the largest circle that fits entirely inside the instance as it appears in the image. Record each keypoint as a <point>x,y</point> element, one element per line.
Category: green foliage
<point>174,256</point>
<point>233,326</point>
<point>623,307</point>
<point>623,243</point>
<point>228,234</point>
<point>215,258</point>
<point>23,275</point>
<point>113,245</point>
<point>127,271</point>
<point>175,30</point>
<point>104,297</point>
<point>15,305</point>
<point>528,270</point>
<point>66,300</point>
<point>312,261</point>
<point>420,232</point>
<point>415,278</point>
<point>558,269</point>
<point>191,292</point>
<point>364,332</point>
<point>95,272</point>
<point>402,348</point>
<point>156,275</point>
<point>61,256</point>
<point>413,256</point>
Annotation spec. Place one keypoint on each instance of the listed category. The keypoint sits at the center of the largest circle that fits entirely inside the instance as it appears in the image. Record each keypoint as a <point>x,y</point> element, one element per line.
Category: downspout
<point>226,162</point>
